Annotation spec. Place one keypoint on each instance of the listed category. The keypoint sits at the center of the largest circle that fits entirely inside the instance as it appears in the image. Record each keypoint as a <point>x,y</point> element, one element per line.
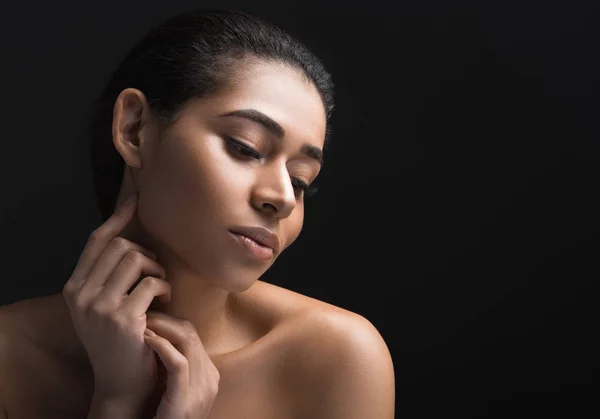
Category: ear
<point>131,115</point>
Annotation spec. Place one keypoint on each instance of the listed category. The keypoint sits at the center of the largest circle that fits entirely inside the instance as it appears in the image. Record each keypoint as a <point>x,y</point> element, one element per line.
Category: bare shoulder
<point>12,342</point>
<point>304,319</point>
<point>34,354</point>
<point>30,320</point>
<point>323,334</point>
<point>337,364</point>
<point>15,329</point>
<point>4,342</point>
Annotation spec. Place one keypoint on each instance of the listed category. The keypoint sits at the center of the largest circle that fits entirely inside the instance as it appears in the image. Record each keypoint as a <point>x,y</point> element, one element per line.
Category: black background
<point>457,208</point>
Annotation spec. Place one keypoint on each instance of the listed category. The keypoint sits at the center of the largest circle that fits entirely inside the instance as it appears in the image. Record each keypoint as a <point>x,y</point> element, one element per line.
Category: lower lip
<point>257,250</point>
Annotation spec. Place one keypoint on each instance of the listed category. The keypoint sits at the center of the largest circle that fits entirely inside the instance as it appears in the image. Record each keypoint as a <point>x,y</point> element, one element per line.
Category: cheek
<point>192,190</point>
<point>292,226</point>
<point>171,194</point>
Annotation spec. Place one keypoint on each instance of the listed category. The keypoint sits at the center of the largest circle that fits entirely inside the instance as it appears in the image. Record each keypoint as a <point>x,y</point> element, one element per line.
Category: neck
<point>193,298</point>
<point>197,300</point>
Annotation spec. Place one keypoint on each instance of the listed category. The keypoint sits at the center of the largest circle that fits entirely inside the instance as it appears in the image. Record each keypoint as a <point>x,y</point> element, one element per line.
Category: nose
<point>273,192</point>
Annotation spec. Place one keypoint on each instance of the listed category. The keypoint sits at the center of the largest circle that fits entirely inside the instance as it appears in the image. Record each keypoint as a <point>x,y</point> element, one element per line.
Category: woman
<point>218,123</point>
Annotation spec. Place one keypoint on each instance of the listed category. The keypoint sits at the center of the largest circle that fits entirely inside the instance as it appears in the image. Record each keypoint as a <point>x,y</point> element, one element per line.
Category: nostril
<point>273,207</point>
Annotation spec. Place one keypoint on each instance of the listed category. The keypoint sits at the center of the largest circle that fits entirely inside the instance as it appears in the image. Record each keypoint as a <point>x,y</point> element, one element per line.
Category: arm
<point>351,372</point>
<point>103,408</point>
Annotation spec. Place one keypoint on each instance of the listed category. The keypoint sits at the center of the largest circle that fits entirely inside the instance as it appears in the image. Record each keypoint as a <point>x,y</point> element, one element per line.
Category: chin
<point>237,284</point>
<point>232,278</point>
<point>241,287</point>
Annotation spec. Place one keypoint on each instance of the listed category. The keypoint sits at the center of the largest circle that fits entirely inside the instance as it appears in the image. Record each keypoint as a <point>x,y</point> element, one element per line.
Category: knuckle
<point>150,282</point>
<point>134,257</point>
<point>101,311</point>
<point>214,388</point>
<point>211,389</point>
<point>212,385</point>
<point>120,321</point>
<point>216,374</point>
<point>121,243</point>
<point>181,364</point>
<point>79,304</point>
<point>68,289</point>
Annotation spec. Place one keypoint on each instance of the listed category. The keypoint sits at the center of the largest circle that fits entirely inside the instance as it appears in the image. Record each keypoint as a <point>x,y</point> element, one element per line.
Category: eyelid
<point>238,144</point>
<point>242,147</point>
<point>237,140</point>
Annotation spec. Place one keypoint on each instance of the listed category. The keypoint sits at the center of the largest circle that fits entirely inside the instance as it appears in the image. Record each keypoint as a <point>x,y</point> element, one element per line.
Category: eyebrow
<point>274,128</point>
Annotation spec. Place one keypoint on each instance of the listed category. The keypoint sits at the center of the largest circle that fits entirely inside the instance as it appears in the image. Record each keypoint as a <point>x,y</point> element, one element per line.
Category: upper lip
<point>259,234</point>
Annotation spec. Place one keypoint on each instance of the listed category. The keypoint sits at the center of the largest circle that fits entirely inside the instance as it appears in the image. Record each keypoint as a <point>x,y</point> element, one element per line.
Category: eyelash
<point>250,152</point>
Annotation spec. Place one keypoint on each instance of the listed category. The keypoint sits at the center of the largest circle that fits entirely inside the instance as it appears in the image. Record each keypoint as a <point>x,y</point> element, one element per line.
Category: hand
<point>109,321</point>
<point>192,378</point>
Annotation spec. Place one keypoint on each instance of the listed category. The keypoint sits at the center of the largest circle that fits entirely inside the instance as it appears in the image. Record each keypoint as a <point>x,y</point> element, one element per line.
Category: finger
<point>136,304</point>
<point>125,275</point>
<point>178,373</point>
<point>120,251</point>
<point>182,334</point>
<point>99,239</point>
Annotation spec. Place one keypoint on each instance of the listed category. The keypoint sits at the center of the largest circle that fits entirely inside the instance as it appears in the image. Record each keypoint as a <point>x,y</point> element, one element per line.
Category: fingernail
<point>149,333</point>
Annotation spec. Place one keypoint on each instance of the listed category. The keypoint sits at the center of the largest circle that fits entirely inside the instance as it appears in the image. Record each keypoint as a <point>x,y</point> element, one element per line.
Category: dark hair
<point>189,56</point>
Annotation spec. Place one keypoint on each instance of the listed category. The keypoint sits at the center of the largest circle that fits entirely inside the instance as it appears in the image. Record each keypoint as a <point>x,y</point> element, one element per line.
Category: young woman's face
<point>220,169</point>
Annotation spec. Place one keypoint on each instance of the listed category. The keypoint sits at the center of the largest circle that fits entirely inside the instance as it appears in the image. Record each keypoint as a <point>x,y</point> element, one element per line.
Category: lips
<point>260,235</point>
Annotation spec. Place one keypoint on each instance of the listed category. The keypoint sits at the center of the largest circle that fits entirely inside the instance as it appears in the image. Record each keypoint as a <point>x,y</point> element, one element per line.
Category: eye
<point>246,151</point>
<point>304,187</point>
<point>243,149</point>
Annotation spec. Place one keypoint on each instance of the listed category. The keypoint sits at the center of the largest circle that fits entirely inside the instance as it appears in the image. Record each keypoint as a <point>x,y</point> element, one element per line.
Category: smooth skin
<point>117,330</point>
<point>226,344</point>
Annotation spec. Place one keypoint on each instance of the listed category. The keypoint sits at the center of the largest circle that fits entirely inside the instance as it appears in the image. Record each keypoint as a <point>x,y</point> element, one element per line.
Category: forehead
<point>278,91</point>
